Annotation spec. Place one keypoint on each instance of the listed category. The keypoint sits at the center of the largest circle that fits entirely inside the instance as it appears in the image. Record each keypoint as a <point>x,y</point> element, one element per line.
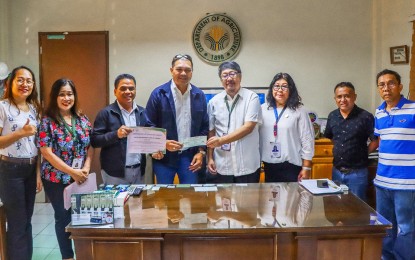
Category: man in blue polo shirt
<point>395,178</point>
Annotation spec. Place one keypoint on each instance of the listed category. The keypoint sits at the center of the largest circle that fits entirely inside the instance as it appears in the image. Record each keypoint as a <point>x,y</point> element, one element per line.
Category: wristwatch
<point>202,152</point>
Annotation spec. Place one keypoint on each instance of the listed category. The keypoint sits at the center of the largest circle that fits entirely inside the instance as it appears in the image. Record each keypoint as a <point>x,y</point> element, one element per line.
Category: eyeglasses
<point>389,84</point>
<point>182,56</point>
<point>283,88</point>
<point>21,81</point>
<point>231,74</point>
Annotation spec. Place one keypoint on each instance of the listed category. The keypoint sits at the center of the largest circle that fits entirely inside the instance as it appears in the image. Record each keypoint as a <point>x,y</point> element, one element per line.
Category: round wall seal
<point>216,38</point>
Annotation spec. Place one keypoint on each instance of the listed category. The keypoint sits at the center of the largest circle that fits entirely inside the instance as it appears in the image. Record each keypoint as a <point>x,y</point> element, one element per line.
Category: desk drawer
<point>323,151</point>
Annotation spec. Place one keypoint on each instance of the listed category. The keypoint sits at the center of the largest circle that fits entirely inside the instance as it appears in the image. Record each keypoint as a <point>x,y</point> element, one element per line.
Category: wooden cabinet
<point>323,159</point>
<point>323,164</point>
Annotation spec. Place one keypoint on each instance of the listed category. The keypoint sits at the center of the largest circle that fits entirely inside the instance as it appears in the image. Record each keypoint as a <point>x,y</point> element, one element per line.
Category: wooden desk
<point>180,223</point>
<point>2,232</point>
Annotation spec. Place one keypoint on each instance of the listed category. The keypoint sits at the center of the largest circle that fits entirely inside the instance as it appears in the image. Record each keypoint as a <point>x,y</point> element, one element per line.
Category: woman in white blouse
<point>286,133</point>
<point>19,115</point>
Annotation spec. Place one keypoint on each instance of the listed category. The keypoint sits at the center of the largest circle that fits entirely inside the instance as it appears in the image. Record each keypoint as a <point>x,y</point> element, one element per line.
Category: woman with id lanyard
<point>64,141</point>
<point>286,133</point>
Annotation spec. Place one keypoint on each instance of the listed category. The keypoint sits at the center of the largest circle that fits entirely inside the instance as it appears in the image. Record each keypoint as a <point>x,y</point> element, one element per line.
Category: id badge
<point>226,147</point>
<point>77,163</point>
<point>275,193</point>
<point>226,204</point>
<point>276,150</point>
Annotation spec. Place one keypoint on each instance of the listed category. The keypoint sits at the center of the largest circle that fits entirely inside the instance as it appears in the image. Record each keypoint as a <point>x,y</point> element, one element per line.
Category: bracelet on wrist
<point>202,152</point>
<point>306,168</point>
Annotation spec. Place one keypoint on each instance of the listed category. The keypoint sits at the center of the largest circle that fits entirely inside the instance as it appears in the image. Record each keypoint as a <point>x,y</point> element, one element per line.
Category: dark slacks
<point>281,172</point>
<point>17,192</point>
<point>249,178</point>
<point>54,191</point>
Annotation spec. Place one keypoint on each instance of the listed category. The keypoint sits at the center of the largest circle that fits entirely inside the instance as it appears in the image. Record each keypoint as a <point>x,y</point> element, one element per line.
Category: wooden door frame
<point>106,33</point>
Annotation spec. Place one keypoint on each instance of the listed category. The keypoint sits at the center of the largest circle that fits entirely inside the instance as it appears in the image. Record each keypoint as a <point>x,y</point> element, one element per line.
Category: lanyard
<point>230,109</point>
<point>277,118</point>
<point>71,129</point>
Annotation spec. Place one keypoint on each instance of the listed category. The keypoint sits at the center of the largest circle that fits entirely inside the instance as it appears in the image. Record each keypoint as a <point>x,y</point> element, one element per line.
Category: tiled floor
<point>45,244</point>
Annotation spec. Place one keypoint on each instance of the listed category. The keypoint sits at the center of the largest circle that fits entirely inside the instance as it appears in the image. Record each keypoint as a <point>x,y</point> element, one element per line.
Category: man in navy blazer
<point>181,108</point>
<point>111,128</point>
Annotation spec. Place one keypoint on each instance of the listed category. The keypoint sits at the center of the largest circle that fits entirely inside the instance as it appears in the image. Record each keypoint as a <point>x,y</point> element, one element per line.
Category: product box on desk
<point>93,208</point>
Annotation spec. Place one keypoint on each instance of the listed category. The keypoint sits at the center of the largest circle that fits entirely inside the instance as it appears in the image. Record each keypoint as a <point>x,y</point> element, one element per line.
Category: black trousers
<point>281,172</point>
<point>54,191</point>
<point>17,192</point>
<point>249,178</point>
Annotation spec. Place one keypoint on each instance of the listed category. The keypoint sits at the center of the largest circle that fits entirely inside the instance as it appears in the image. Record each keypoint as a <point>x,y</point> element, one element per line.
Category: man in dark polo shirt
<point>350,128</point>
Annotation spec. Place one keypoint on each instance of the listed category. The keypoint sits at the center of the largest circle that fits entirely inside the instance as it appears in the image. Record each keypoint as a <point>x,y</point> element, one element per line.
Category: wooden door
<point>83,58</point>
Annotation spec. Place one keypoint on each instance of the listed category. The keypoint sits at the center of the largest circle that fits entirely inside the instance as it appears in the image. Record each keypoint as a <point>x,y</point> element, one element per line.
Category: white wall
<point>319,42</point>
<point>392,18</point>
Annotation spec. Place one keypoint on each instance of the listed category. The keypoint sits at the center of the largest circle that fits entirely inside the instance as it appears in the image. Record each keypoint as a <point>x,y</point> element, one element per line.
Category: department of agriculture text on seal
<point>216,38</point>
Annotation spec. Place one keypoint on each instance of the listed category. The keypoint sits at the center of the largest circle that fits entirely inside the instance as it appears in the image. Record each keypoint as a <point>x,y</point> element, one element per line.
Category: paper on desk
<point>311,186</point>
<point>194,141</point>
<point>213,188</point>
<point>149,218</point>
<point>190,219</point>
<point>88,186</point>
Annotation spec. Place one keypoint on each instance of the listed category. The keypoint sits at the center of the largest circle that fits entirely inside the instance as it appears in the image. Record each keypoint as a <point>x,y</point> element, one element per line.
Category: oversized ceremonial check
<point>146,140</point>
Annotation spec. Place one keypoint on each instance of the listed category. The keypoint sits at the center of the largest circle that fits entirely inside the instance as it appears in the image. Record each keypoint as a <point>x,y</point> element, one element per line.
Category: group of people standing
<point>355,133</point>
<point>241,134</point>
<point>61,134</point>
<point>238,135</point>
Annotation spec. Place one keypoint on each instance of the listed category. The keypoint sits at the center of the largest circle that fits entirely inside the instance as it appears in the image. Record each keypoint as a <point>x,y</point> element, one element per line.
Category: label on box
<point>92,208</point>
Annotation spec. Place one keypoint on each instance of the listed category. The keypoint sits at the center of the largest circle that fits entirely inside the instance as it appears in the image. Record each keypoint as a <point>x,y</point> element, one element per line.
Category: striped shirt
<point>396,167</point>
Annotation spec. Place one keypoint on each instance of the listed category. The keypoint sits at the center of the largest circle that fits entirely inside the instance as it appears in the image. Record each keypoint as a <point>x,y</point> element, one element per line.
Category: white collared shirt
<point>243,158</point>
<point>295,134</point>
<point>130,121</point>
<point>183,111</point>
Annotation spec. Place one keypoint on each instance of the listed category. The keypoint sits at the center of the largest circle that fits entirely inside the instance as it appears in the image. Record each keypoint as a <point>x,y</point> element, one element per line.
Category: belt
<point>16,160</point>
<point>345,170</point>
<point>132,166</point>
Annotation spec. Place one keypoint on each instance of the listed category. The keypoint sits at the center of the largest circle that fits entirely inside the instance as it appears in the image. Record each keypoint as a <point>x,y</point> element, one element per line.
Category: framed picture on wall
<point>211,92</point>
<point>399,54</point>
<point>262,93</point>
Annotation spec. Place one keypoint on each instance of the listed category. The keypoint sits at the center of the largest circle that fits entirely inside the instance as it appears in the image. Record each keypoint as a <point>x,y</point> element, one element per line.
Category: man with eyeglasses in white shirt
<point>233,144</point>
